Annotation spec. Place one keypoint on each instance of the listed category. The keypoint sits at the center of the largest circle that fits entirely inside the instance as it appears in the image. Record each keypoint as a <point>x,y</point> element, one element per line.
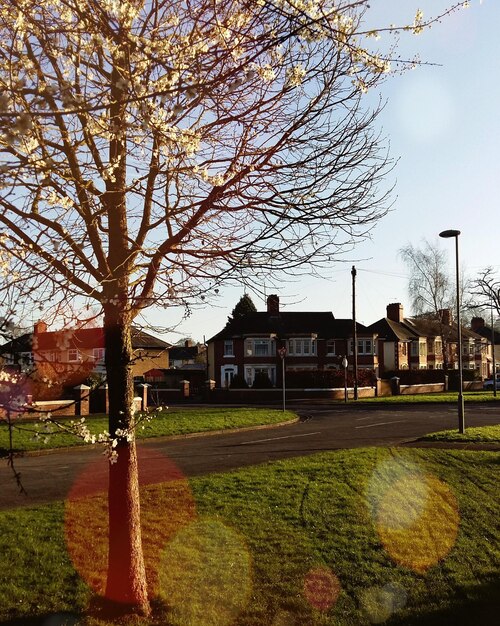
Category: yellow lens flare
<point>206,575</point>
<point>167,505</point>
<point>321,588</point>
<point>417,521</point>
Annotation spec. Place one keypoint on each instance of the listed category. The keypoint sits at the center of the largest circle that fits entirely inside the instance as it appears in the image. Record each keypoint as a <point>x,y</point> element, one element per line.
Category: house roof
<point>411,328</point>
<point>485,331</point>
<point>289,324</point>
<point>80,339</point>
<point>392,331</point>
<point>183,353</point>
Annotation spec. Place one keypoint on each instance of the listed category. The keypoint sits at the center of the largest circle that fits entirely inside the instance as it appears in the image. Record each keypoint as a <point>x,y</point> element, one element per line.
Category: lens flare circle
<point>167,505</point>
<point>206,574</point>
<point>380,603</point>
<point>429,522</point>
<point>321,588</point>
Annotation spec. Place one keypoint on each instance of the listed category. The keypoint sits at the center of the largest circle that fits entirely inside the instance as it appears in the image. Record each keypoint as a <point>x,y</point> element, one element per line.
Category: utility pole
<point>494,367</point>
<point>354,335</point>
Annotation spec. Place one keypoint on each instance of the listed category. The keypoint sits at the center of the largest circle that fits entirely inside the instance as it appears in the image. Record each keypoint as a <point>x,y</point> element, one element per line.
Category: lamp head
<point>449,233</point>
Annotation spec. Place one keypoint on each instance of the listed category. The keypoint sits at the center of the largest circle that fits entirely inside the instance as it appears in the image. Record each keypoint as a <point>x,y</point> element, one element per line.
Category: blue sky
<point>443,124</point>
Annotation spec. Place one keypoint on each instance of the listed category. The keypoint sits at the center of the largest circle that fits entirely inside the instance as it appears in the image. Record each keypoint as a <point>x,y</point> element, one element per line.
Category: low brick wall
<point>423,388</point>
<point>275,396</point>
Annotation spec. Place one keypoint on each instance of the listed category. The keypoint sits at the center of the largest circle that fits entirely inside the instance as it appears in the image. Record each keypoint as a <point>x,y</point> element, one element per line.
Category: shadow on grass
<point>52,619</point>
<point>481,610</point>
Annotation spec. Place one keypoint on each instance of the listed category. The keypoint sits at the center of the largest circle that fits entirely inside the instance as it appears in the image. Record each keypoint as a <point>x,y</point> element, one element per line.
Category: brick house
<point>493,338</point>
<point>65,353</point>
<point>252,345</point>
<point>426,342</point>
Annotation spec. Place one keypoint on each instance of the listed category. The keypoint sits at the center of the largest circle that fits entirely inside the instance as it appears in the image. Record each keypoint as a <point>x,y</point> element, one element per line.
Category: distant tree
<point>244,306</point>
<point>484,291</point>
<point>429,285</point>
<point>431,288</point>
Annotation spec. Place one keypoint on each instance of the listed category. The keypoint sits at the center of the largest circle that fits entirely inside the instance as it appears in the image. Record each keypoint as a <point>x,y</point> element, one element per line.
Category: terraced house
<point>253,346</point>
<point>427,342</point>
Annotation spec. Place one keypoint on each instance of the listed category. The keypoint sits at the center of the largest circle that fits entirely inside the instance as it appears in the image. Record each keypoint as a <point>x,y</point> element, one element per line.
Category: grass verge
<point>422,398</point>
<point>37,436</point>
<point>476,434</point>
<point>346,538</point>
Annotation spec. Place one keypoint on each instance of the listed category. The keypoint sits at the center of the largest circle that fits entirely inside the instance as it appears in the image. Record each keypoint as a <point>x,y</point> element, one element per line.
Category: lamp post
<point>345,363</point>
<point>447,234</point>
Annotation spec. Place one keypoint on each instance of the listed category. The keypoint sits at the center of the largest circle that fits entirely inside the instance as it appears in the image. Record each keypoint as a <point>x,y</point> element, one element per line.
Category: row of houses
<point>263,343</point>
<point>255,344</point>
<point>71,356</point>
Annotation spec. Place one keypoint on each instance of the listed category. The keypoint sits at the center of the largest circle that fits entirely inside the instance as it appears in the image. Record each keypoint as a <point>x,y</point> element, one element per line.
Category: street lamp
<point>447,234</point>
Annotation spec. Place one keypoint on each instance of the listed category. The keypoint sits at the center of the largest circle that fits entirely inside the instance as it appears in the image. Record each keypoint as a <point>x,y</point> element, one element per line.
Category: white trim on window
<point>302,346</point>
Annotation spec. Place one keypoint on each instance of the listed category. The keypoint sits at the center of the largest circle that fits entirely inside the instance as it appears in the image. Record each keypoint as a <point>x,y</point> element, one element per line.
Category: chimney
<point>40,327</point>
<point>445,316</point>
<point>395,312</point>
<point>273,304</point>
<point>188,343</point>
<point>476,323</point>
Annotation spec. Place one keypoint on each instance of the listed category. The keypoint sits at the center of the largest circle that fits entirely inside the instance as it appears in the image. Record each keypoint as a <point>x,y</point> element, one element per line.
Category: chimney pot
<point>273,304</point>
<point>40,327</point>
<point>476,323</point>
<point>395,312</point>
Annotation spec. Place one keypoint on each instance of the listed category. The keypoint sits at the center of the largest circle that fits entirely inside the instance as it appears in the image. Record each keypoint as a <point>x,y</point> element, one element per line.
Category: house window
<point>98,354</point>
<point>260,347</point>
<point>265,370</point>
<point>365,346</point>
<point>330,347</point>
<point>26,358</point>
<point>414,348</point>
<point>73,355</point>
<point>228,347</point>
<point>302,347</point>
<point>422,348</point>
<point>403,349</point>
<point>438,347</point>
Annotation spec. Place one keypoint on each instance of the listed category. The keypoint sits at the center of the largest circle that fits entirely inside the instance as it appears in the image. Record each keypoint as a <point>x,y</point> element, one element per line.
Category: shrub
<point>238,382</point>
<point>262,381</point>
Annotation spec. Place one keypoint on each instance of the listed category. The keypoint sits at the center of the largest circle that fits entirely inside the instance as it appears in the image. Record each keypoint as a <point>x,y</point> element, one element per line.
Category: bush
<point>262,381</point>
<point>238,382</point>
<point>326,379</point>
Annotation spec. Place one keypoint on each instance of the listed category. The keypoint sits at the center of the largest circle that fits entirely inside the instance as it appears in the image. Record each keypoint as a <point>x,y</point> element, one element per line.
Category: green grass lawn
<point>165,423</point>
<point>345,538</point>
<point>442,396</point>
<point>475,434</point>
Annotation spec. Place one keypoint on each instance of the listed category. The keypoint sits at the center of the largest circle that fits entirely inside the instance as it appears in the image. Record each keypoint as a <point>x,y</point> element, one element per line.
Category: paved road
<point>49,477</point>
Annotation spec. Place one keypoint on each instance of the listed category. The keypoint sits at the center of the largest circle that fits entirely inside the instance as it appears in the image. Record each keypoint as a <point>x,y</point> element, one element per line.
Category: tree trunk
<point>126,578</point>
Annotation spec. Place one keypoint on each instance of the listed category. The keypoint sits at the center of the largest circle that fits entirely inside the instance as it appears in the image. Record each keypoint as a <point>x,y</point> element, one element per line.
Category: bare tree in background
<point>485,291</point>
<point>430,287</point>
<point>151,150</point>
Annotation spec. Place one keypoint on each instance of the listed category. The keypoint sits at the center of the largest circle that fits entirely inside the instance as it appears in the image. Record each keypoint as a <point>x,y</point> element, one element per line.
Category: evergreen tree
<point>243,307</point>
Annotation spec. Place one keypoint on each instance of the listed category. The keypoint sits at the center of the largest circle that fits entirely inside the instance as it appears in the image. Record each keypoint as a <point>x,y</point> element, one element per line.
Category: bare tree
<point>151,150</point>
<point>431,288</point>
<point>429,285</point>
<point>485,291</point>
